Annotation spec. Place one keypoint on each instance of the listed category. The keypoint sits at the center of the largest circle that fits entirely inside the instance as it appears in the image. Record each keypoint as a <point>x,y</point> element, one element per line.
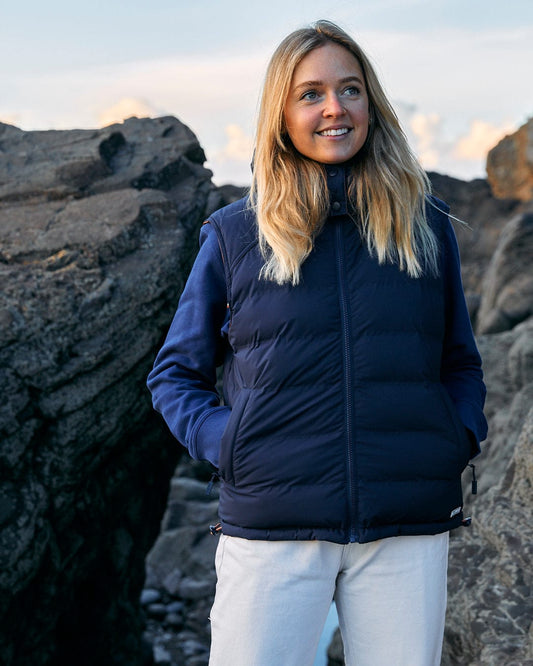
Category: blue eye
<point>310,95</point>
<point>351,90</point>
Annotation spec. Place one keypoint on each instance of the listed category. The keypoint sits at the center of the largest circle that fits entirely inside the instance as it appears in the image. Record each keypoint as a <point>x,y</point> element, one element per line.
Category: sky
<point>458,72</point>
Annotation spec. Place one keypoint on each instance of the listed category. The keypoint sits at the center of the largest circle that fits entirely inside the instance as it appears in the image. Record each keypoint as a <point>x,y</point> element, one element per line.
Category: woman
<point>352,384</point>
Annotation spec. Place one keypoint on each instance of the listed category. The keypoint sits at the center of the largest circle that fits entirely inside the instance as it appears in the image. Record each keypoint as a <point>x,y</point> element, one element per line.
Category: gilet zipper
<point>348,379</point>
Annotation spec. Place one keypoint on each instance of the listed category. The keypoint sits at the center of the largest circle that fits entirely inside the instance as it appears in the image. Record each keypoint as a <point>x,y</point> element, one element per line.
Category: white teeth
<point>335,132</point>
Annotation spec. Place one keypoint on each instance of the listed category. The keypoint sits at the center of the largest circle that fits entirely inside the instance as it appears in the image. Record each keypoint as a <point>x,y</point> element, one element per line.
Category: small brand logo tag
<point>455,511</point>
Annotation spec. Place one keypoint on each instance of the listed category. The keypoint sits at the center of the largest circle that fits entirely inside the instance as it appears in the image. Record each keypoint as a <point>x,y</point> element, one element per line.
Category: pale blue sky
<point>459,72</point>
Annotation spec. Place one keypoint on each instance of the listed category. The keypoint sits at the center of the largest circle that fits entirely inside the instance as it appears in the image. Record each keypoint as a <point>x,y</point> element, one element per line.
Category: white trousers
<point>273,597</point>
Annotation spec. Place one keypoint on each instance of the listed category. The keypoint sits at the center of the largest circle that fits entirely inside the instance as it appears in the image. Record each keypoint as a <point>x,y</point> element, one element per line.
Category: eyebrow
<point>311,84</point>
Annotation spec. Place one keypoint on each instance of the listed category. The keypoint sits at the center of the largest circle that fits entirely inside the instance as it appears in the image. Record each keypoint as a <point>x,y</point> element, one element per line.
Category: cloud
<point>447,147</point>
<point>481,137</point>
<point>126,108</point>
<point>426,129</point>
<point>425,133</point>
<point>231,163</point>
<point>239,146</point>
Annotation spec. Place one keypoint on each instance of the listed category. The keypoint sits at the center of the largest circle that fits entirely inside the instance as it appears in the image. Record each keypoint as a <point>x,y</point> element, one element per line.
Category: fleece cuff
<point>209,435</point>
<point>474,422</point>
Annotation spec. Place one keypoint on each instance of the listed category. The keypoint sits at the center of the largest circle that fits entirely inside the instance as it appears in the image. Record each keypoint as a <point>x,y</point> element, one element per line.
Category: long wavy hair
<point>387,186</point>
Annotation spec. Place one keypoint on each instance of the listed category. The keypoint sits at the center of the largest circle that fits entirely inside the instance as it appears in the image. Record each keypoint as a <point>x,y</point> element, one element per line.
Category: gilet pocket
<point>461,436</point>
<point>230,436</point>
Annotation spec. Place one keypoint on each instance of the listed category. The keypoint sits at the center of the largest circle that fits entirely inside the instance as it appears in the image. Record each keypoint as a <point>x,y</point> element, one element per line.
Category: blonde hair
<point>289,194</point>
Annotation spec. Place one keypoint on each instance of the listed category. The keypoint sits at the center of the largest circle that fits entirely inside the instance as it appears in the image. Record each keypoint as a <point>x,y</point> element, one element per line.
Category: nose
<point>333,106</point>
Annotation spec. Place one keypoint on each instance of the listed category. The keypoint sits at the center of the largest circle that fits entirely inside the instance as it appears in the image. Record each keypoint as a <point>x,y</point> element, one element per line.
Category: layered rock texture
<point>510,165</point>
<point>180,574</point>
<point>490,608</point>
<point>98,230</point>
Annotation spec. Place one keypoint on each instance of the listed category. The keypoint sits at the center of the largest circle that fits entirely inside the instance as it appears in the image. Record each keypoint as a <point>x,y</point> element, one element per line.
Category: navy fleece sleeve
<point>183,379</point>
<point>461,371</point>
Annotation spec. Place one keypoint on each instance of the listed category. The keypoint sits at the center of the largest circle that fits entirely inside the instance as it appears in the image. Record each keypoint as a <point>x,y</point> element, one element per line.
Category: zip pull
<point>215,529</point>
<point>214,478</point>
<point>474,480</point>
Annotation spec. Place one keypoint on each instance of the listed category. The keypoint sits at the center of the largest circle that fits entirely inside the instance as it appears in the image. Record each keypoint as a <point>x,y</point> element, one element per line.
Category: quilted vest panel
<point>340,428</point>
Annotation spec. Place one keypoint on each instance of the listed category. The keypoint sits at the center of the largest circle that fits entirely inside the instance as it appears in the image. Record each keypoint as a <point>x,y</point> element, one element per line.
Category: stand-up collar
<point>336,179</point>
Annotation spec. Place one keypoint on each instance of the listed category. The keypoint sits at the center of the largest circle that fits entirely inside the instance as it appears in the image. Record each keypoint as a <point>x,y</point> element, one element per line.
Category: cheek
<point>297,127</point>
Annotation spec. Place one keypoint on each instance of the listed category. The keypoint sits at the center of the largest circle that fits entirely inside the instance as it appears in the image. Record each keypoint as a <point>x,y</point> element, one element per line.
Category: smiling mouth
<point>334,132</point>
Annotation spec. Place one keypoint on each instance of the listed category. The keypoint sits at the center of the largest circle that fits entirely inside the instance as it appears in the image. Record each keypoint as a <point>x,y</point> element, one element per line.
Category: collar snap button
<point>335,206</point>
<point>333,172</point>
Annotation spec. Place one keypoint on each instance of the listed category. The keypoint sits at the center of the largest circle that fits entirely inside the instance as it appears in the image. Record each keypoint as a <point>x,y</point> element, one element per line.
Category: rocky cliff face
<point>510,165</point>
<point>97,229</point>
<point>490,606</point>
<point>496,248</point>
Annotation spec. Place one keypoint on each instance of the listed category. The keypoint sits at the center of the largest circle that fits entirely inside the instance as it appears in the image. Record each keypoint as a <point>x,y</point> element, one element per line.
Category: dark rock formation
<point>510,165</point>
<point>490,608</point>
<point>98,229</point>
<point>507,287</point>
<point>484,217</point>
<point>180,572</point>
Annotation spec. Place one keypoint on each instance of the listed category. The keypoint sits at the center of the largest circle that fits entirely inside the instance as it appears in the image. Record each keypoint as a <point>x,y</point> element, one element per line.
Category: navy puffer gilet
<point>341,427</point>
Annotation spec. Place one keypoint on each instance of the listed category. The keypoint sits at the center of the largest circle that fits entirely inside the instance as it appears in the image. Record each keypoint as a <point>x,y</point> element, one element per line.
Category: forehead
<point>326,61</point>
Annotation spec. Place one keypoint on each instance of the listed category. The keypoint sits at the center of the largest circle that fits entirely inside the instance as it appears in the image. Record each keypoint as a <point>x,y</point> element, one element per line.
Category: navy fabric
<point>352,402</point>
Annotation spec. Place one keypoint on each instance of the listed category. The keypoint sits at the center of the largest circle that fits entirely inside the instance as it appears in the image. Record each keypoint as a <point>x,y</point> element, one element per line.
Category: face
<point>326,111</point>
